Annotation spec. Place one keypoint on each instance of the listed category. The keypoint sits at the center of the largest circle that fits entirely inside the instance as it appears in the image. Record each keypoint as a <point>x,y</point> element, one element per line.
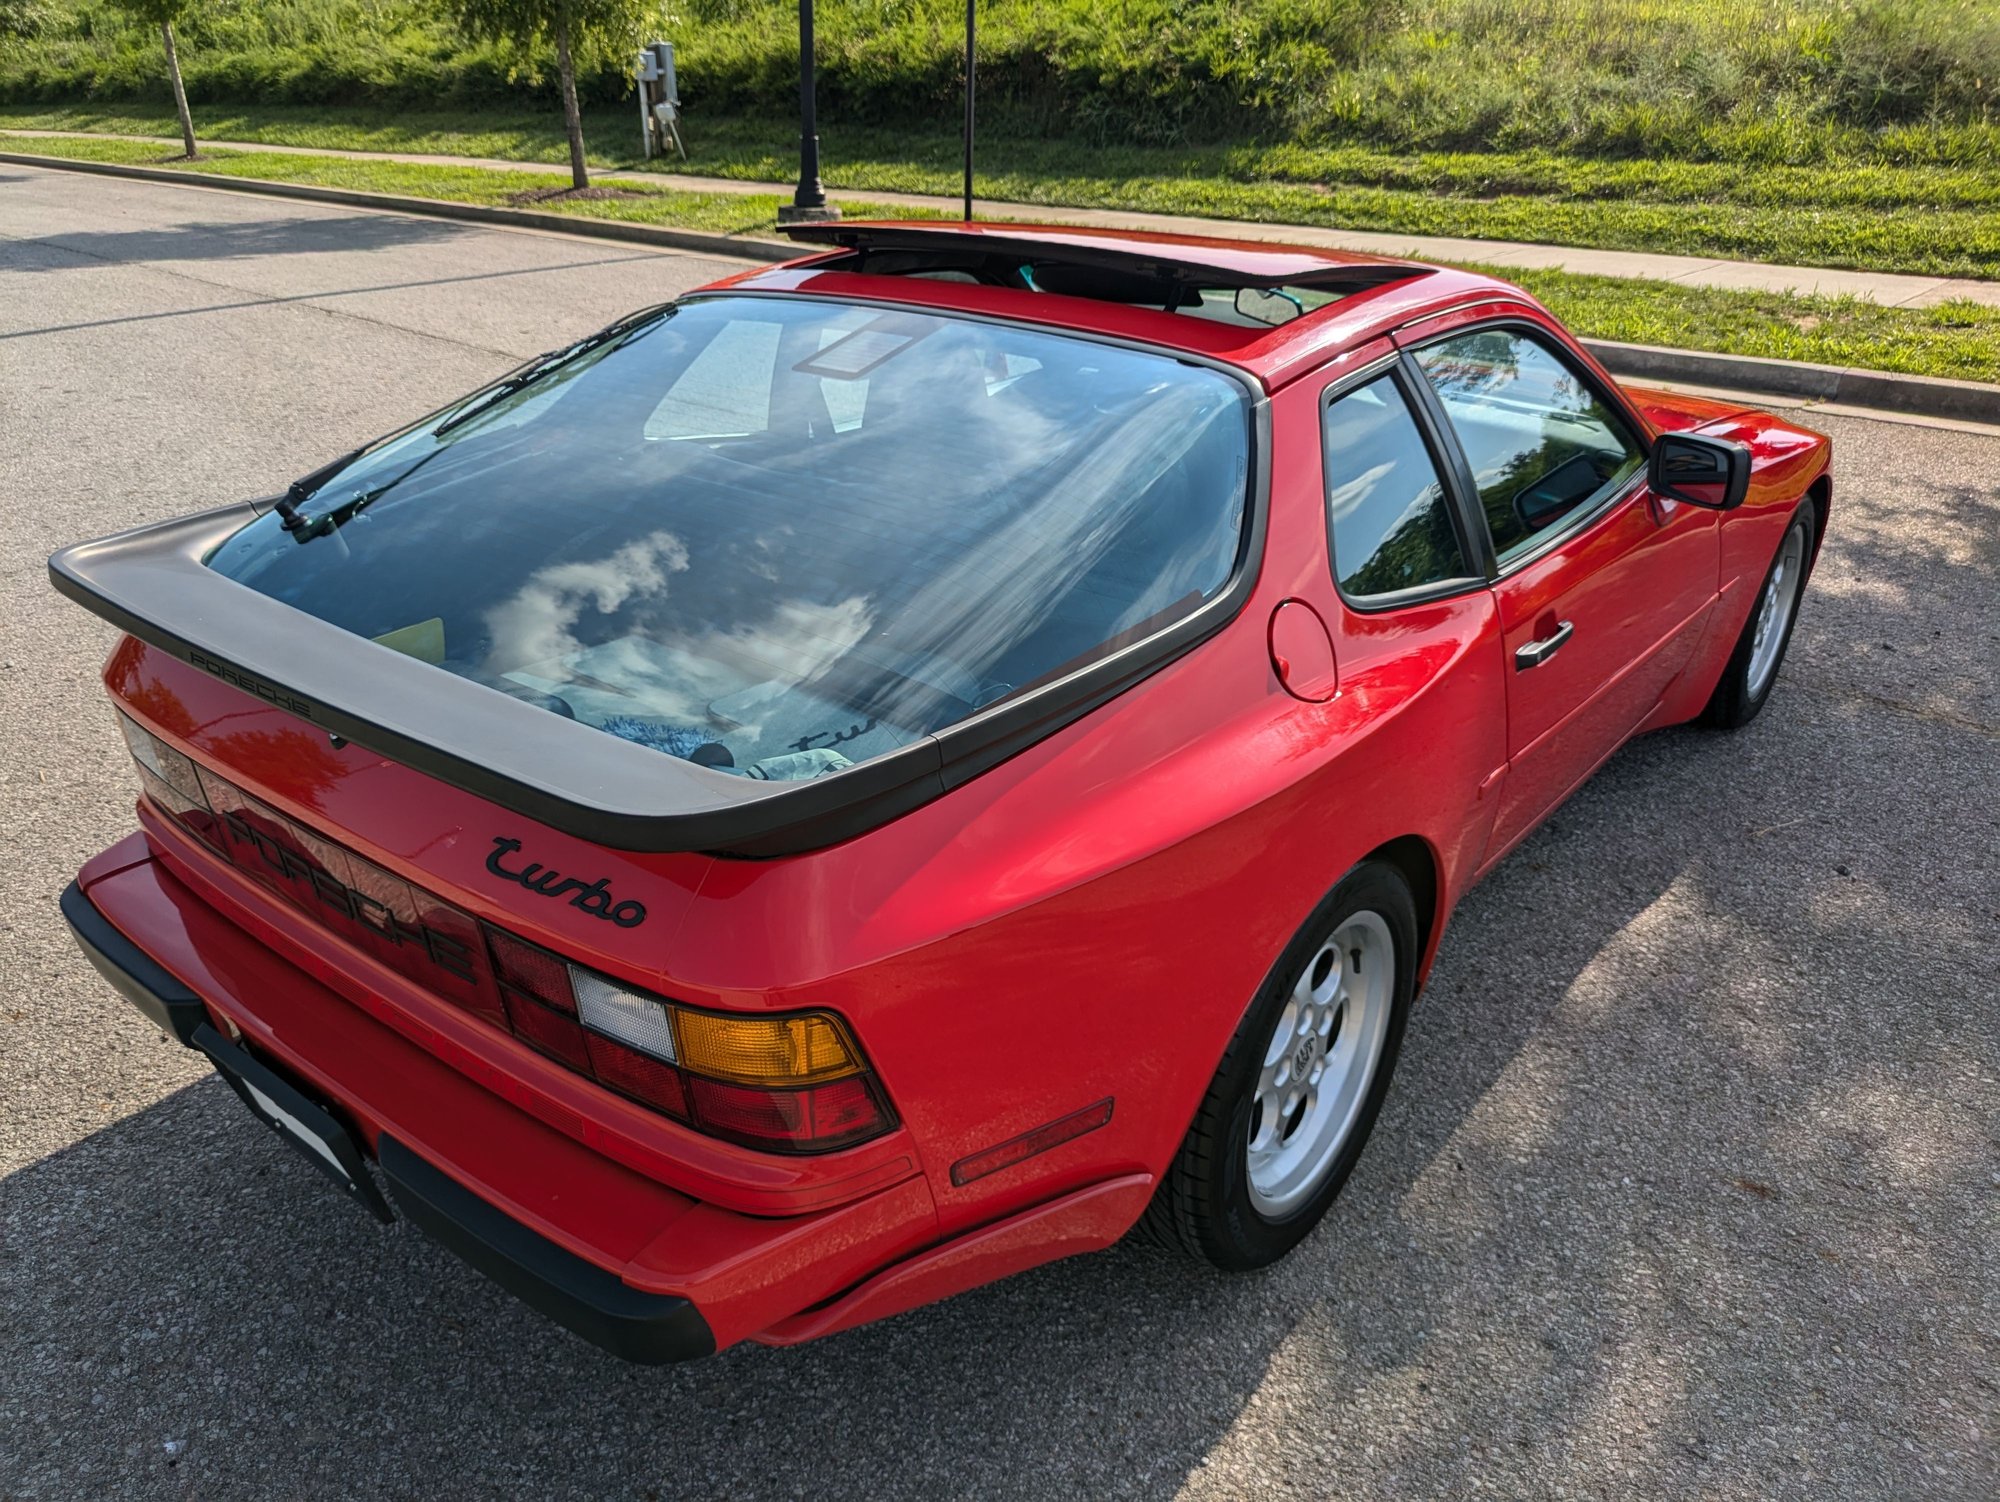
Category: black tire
<point>1202,1206</point>
<point>1734,704</point>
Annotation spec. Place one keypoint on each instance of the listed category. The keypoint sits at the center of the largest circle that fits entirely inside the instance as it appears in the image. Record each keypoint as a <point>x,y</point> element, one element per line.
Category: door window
<point>1542,445</point>
<point>1391,523</point>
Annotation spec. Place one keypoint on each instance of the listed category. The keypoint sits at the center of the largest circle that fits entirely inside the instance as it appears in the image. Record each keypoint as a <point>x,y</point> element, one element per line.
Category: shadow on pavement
<point>234,240</point>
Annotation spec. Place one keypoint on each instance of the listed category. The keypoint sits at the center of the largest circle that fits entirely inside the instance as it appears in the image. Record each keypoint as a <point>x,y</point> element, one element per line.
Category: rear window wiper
<point>538,367</point>
<point>305,528</point>
<point>301,490</point>
<point>526,376</point>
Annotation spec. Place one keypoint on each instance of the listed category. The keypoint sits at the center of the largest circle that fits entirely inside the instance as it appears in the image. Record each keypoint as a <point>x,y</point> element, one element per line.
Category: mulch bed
<point>570,195</point>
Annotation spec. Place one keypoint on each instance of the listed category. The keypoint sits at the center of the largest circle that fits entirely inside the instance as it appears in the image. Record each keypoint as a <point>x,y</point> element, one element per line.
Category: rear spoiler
<point>153,583</point>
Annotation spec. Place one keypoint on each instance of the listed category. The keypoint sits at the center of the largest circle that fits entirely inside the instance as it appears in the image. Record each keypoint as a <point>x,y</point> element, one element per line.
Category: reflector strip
<point>1028,1144</point>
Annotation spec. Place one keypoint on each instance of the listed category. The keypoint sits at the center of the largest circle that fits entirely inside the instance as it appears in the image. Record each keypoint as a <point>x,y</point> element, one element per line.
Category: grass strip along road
<point>1939,219</point>
<point>1955,339</point>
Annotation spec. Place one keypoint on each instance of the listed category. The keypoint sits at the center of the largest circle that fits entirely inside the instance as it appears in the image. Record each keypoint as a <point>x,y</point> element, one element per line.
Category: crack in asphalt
<point>1898,706</point>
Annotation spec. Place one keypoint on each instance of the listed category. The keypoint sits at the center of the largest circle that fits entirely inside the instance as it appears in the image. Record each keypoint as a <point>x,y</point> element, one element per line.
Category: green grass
<point>511,132</point>
<point>1959,339</point>
<point>1956,339</point>
<point>1938,220</point>
<point>731,213</point>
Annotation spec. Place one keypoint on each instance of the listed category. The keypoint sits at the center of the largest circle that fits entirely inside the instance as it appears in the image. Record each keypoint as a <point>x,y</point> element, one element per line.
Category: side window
<point>1386,506</point>
<point>1540,442</point>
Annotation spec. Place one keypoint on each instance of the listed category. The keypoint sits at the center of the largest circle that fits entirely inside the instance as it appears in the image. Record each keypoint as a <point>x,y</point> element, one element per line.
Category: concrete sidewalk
<point>1695,271</point>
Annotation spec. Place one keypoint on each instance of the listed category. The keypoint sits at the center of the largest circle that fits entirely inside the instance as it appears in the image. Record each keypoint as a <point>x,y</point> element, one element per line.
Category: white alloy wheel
<point>1774,612</point>
<point>1319,1061</point>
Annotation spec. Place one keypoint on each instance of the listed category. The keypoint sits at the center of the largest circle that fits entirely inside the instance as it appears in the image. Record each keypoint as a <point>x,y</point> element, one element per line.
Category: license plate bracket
<point>305,1123</point>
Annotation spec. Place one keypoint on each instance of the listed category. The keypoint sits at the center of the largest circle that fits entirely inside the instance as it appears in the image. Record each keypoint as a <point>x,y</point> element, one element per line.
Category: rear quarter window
<point>1387,509</point>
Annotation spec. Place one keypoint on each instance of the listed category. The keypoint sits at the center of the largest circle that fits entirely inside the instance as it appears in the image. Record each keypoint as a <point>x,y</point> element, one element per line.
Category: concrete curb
<point>741,247</point>
<point>1925,396</point>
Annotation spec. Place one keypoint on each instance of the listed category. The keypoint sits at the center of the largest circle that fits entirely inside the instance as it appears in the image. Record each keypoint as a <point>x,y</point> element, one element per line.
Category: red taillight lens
<point>528,967</point>
<point>815,1119</point>
<point>632,1073</point>
<point>551,1032</point>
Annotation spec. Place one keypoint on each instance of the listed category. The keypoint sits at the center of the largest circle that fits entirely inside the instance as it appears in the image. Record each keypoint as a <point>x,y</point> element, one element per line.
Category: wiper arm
<point>305,528</point>
<point>540,366</point>
<point>301,490</point>
<point>526,376</point>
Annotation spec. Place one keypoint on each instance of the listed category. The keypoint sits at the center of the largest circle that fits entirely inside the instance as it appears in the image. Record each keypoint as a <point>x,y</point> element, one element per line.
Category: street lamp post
<point>971,52</point>
<point>808,205</point>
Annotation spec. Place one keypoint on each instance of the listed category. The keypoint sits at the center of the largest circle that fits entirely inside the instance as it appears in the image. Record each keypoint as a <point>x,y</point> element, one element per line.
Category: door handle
<point>1535,653</point>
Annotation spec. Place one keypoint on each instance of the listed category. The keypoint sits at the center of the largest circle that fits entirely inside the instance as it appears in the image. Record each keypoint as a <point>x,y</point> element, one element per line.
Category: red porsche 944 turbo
<point>901,766</point>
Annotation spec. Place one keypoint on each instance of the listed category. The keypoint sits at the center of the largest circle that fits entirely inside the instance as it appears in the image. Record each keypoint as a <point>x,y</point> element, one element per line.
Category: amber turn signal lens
<point>796,1050</point>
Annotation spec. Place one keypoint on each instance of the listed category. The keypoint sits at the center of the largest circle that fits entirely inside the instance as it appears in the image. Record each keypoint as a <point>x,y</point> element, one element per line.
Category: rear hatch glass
<point>780,536</point>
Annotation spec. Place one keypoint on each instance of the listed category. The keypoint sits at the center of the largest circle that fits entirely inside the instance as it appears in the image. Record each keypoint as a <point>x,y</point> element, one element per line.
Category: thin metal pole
<point>809,199</point>
<point>971,55</point>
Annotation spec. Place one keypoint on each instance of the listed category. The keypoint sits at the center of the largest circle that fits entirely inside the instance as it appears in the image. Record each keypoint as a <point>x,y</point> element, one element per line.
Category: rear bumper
<point>632,1265</point>
<point>645,1327</point>
<point>596,1304</point>
<point>134,974</point>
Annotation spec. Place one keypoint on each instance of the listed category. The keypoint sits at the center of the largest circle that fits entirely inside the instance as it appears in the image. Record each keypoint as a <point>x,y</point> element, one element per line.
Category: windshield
<point>776,536</point>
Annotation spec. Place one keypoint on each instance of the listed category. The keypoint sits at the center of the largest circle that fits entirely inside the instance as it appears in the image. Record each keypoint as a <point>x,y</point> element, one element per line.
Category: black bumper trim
<point>134,974</point>
<point>338,1154</point>
<point>648,1328</point>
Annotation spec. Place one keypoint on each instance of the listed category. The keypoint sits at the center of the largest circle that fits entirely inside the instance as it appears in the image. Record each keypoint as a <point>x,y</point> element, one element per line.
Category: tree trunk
<point>572,117</point>
<point>180,93</point>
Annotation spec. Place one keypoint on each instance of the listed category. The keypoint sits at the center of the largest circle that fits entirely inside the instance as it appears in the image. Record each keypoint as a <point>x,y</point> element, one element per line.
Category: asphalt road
<point>1689,1183</point>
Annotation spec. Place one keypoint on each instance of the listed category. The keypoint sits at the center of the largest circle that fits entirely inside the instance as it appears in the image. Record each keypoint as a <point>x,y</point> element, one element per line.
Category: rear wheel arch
<point>1205,1201</point>
<point>1819,495</point>
<point>1417,863</point>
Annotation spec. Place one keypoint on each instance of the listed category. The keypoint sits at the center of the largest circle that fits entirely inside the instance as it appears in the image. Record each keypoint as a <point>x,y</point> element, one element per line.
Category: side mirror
<point>1711,472</point>
<point>1267,305</point>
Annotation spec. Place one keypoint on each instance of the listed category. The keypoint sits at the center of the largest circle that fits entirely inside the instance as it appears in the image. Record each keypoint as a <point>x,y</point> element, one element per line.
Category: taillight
<point>790,1083</point>
<point>824,1116</point>
<point>793,1083</point>
<point>170,779</point>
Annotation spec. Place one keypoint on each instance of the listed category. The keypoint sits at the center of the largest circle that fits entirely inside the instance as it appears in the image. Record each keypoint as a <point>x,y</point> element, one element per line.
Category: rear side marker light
<point>790,1083</point>
<point>1028,1144</point>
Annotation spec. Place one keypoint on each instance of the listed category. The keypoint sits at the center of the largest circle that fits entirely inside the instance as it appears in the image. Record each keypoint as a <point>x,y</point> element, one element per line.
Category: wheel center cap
<point>1303,1056</point>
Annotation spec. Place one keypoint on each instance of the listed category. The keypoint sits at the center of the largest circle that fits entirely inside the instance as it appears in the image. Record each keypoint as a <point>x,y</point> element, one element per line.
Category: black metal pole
<point>809,199</point>
<point>971,50</point>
